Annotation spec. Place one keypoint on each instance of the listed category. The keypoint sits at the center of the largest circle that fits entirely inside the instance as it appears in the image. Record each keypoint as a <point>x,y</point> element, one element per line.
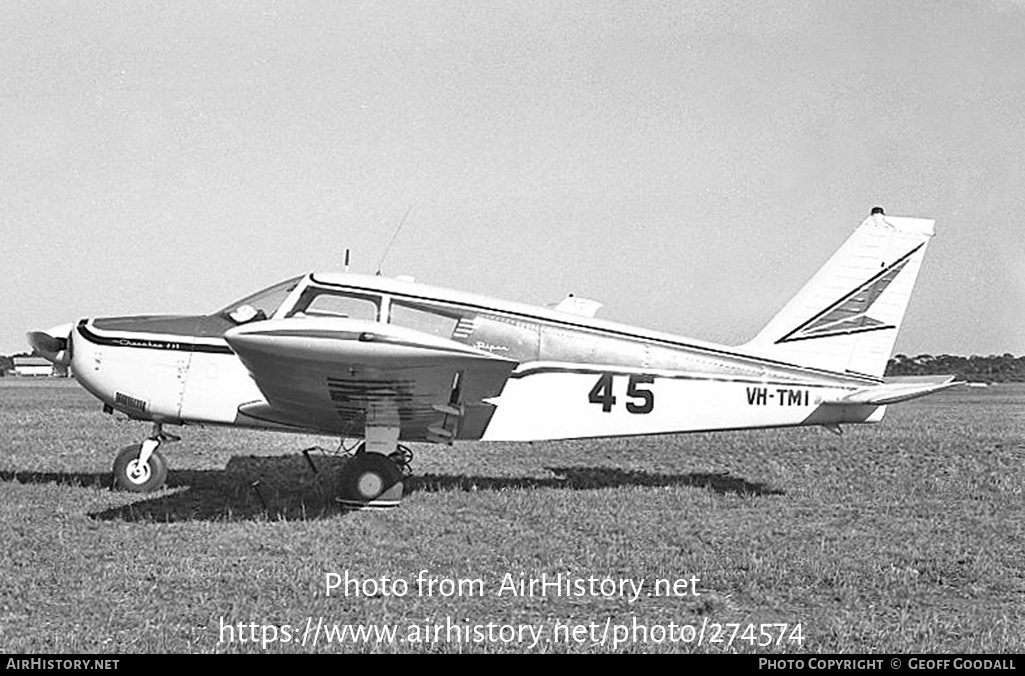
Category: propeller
<point>53,344</point>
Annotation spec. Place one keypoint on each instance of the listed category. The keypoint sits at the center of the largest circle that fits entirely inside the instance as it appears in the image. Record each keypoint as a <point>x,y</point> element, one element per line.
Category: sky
<point>690,165</point>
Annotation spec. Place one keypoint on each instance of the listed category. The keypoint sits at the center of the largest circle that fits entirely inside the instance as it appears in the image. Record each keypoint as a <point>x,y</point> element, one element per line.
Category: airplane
<point>390,362</point>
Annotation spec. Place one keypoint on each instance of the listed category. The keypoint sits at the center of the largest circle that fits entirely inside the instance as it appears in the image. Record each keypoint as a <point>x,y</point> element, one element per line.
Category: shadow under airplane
<point>292,488</point>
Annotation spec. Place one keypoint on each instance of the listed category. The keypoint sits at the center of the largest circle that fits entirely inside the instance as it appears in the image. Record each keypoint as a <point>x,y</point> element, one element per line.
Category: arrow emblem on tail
<point>850,314</point>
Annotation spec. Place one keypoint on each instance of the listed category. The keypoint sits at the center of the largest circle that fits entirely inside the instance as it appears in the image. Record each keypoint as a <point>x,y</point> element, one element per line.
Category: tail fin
<point>846,318</point>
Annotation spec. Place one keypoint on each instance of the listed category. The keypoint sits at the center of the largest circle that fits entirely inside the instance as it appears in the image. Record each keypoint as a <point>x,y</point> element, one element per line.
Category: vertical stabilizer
<point>847,317</point>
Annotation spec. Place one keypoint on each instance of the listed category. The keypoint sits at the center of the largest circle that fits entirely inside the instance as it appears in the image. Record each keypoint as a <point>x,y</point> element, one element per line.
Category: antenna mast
<point>392,241</point>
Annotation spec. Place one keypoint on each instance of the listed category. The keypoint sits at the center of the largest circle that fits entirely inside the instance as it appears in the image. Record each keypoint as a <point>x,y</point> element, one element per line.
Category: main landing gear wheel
<point>138,477</point>
<point>370,480</point>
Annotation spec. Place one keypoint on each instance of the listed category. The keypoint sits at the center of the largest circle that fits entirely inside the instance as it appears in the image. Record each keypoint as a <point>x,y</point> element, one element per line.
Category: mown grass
<point>902,537</point>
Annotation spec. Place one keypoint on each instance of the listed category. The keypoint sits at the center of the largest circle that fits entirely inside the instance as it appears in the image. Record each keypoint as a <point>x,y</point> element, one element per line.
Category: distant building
<point>33,366</point>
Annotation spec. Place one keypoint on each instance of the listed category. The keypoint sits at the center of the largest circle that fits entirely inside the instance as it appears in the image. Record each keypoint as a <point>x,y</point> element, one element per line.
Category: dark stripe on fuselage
<point>600,330</point>
<point>598,370</point>
<point>139,340</point>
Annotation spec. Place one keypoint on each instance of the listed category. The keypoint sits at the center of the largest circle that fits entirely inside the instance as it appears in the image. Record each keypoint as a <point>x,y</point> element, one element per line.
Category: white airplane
<point>390,361</point>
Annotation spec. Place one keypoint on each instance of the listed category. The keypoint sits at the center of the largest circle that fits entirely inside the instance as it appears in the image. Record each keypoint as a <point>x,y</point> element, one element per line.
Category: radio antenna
<point>392,241</point>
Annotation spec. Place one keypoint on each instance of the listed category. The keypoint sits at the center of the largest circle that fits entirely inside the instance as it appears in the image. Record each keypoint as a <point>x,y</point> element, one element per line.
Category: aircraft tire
<point>372,480</point>
<point>129,477</point>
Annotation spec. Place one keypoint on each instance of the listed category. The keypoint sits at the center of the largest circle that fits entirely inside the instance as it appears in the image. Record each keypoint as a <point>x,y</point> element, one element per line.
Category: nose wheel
<point>133,474</point>
<point>141,468</point>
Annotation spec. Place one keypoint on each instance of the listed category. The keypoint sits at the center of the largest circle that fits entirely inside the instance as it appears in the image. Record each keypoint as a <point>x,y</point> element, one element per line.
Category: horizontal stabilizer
<point>898,389</point>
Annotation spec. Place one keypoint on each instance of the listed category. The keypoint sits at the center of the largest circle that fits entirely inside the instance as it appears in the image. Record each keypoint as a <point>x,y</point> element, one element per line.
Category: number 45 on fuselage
<point>390,361</point>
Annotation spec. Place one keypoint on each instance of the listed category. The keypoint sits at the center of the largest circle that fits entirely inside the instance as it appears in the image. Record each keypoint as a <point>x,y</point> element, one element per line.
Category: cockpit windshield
<point>261,305</point>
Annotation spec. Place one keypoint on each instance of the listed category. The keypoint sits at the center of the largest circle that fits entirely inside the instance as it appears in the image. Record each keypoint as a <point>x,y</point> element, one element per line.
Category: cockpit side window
<point>315,302</point>
<point>261,305</point>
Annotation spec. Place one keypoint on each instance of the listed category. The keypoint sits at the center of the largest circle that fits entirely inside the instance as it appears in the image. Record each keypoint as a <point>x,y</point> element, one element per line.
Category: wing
<point>337,375</point>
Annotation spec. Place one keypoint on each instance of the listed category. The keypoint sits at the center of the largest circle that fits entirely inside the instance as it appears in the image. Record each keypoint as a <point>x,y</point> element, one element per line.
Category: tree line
<point>1004,368</point>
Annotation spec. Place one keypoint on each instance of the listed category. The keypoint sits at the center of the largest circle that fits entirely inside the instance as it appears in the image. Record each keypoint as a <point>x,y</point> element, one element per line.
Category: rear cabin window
<point>326,303</point>
<point>436,321</point>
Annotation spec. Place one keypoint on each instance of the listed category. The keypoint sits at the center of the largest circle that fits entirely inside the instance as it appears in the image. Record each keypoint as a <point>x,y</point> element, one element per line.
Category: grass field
<point>908,536</point>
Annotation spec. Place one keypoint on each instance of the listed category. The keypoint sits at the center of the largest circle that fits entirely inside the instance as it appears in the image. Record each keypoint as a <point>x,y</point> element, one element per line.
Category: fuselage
<point>574,376</point>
